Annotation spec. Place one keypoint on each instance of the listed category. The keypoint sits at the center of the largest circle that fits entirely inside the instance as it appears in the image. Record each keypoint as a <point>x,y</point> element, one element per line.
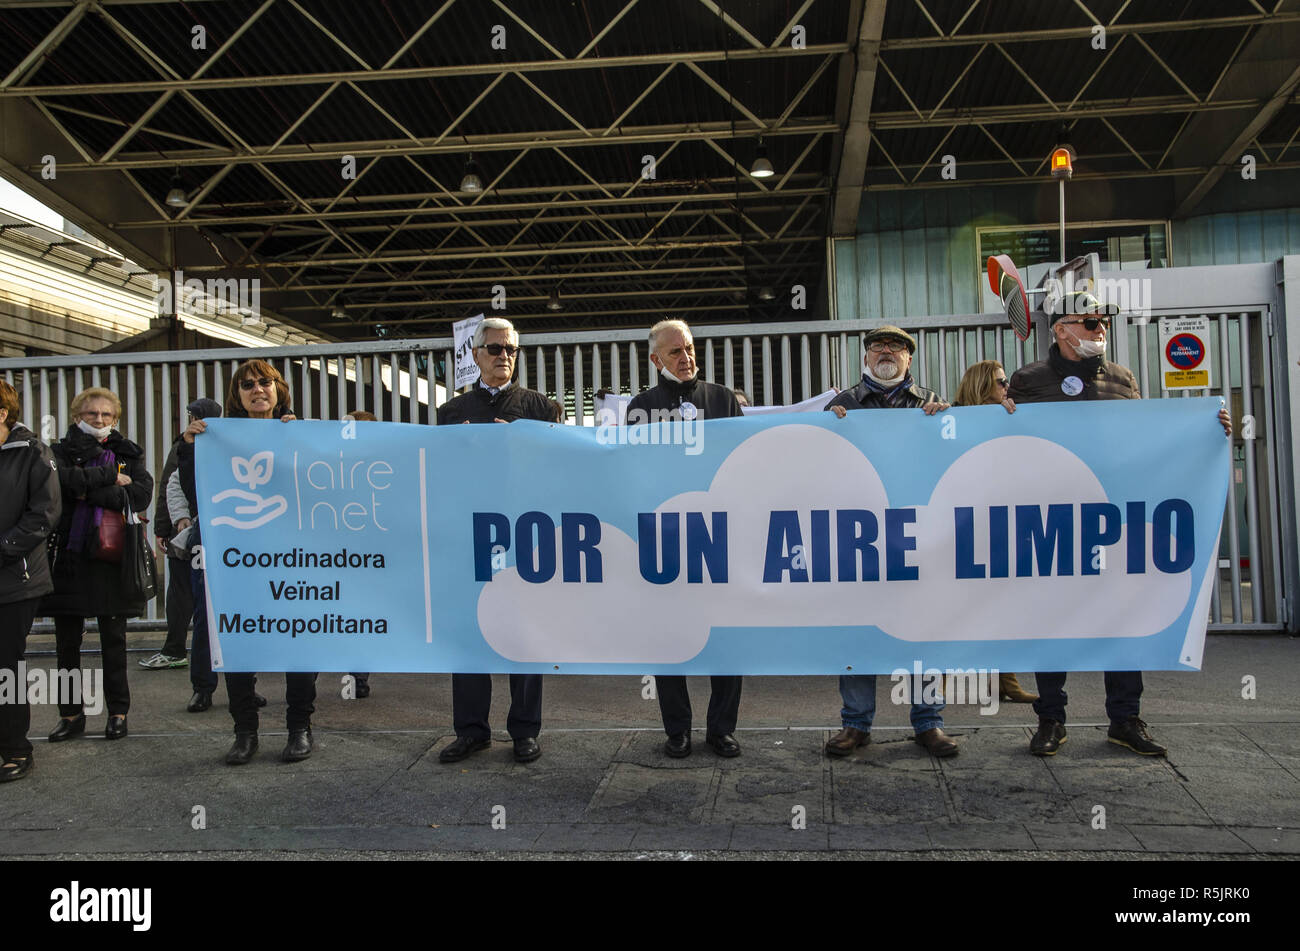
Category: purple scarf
<point>86,517</point>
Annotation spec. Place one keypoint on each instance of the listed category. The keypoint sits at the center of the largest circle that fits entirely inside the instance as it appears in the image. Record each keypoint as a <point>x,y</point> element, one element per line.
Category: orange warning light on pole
<point>1061,164</point>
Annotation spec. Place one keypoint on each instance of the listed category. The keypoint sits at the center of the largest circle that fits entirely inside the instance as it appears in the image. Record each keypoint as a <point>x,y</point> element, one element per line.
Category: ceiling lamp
<point>762,167</point>
<point>471,183</point>
<point>176,195</point>
<point>766,294</point>
<point>338,313</point>
<point>554,302</point>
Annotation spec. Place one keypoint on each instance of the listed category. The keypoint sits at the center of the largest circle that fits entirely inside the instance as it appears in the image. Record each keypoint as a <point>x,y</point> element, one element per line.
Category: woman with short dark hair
<point>102,476</point>
<point>30,506</point>
<point>257,391</point>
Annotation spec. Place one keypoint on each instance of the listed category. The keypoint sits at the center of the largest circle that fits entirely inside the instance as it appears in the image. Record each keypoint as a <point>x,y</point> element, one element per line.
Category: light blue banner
<point>1064,537</point>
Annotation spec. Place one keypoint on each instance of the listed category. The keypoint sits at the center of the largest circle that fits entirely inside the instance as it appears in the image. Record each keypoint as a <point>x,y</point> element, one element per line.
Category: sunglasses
<point>496,349</point>
<point>1002,381</point>
<point>887,346</point>
<point>249,385</point>
<point>1092,323</point>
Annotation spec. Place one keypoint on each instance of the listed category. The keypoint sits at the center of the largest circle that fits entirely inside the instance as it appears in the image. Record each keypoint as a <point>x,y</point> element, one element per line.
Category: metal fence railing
<point>774,363</point>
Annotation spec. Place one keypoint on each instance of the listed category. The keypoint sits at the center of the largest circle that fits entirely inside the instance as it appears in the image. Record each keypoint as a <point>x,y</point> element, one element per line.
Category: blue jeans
<point>858,692</point>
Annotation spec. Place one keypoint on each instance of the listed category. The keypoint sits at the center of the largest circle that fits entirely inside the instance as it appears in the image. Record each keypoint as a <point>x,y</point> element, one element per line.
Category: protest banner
<point>1063,537</point>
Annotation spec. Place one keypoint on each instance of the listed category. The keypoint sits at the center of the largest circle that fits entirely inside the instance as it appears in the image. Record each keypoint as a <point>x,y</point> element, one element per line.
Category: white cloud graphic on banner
<point>629,620</point>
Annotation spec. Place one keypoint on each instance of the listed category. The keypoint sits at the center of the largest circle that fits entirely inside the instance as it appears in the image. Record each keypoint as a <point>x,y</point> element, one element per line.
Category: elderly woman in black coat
<point>30,505</point>
<point>100,472</point>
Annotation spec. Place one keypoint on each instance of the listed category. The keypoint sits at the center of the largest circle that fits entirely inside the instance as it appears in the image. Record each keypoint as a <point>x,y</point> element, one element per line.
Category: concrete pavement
<point>374,787</point>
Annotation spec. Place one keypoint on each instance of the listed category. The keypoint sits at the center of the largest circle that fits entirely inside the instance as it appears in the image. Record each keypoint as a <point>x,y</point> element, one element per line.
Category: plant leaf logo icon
<point>253,471</point>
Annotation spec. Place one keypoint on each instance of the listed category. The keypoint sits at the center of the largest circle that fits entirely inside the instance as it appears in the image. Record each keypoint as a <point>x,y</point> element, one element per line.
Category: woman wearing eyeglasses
<point>257,391</point>
<point>986,384</point>
<point>101,474</point>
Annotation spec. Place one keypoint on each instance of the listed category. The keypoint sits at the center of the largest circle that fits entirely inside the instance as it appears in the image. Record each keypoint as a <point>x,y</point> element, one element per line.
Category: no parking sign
<point>1185,353</point>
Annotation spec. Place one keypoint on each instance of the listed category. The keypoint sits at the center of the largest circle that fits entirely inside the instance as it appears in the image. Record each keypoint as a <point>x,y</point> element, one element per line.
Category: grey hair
<point>493,323</point>
<point>663,325</point>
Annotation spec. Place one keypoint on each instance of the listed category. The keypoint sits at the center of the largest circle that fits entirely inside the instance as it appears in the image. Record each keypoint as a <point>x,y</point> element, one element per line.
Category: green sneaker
<point>161,661</point>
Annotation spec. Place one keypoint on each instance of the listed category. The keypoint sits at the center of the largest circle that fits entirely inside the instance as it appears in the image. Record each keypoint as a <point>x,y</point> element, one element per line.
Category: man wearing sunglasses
<point>1076,369</point>
<point>886,384</point>
<point>495,399</point>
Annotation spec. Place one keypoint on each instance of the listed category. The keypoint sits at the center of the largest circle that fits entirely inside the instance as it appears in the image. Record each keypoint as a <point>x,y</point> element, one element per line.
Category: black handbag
<point>139,570</point>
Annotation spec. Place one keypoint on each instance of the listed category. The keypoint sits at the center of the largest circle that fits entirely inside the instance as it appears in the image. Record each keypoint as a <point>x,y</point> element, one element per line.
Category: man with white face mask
<point>887,384</point>
<point>1076,368</point>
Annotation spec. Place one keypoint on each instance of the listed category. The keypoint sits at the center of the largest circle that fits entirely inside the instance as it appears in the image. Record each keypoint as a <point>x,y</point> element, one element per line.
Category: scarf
<point>86,518</point>
<point>893,395</point>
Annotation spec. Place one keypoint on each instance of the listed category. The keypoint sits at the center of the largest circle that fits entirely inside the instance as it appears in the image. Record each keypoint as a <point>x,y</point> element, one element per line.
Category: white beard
<point>885,381</point>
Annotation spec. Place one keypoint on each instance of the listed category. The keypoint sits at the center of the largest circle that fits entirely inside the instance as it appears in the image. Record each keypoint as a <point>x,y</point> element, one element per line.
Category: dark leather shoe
<point>1133,734</point>
<point>259,699</point>
<point>461,747</point>
<point>202,700</point>
<point>679,746</point>
<point>724,745</point>
<point>1048,739</point>
<point>16,767</point>
<point>242,750</point>
<point>846,741</point>
<point>937,743</point>
<point>299,746</point>
<point>116,728</point>
<point>67,729</point>
<point>526,750</point>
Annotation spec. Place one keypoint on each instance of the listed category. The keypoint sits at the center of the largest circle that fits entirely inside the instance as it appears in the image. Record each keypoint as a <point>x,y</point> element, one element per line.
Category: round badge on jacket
<point>1072,386</point>
<point>688,410</point>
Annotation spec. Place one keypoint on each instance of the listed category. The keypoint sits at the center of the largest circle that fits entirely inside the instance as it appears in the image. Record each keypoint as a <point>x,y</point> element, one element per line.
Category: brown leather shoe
<point>937,743</point>
<point>1009,689</point>
<point>846,741</point>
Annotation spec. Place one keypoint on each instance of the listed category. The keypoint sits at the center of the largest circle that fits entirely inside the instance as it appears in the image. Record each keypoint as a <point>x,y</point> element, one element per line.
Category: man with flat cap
<point>683,395</point>
<point>1076,369</point>
<point>494,399</point>
<point>886,384</point>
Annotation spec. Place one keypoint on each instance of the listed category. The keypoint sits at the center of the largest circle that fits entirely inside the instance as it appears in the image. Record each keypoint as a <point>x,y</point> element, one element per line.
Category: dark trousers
<point>202,676</point>
<point>68,632</point>
<point>1123,695</point>
<point>15,715</point>
<point>180,607</point>
<point>471,702</point>
<point>300,692</point>
<point>675,704</point>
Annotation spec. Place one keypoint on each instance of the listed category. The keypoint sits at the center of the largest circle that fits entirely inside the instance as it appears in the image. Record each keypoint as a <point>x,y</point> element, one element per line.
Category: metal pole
<point>1061,182</point>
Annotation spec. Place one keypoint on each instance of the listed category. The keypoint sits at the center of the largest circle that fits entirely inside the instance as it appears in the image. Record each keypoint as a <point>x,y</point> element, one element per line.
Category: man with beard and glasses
<point>886,384</point>
<point>1076,369</point>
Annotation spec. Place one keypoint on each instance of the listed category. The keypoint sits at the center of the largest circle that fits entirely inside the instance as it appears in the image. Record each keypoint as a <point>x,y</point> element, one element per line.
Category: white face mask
<point>100,434</point>
<point>1087,348</point>
<point>669,373</point>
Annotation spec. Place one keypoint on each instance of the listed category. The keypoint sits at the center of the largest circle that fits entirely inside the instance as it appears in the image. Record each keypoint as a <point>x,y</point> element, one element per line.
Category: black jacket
<point>480,406</point>
<point>162,518</point>
<point>710,400</point>
<point>84,586</point>
<point>1041,382</point>
<point>864,397</point>
<point>30,506</point>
